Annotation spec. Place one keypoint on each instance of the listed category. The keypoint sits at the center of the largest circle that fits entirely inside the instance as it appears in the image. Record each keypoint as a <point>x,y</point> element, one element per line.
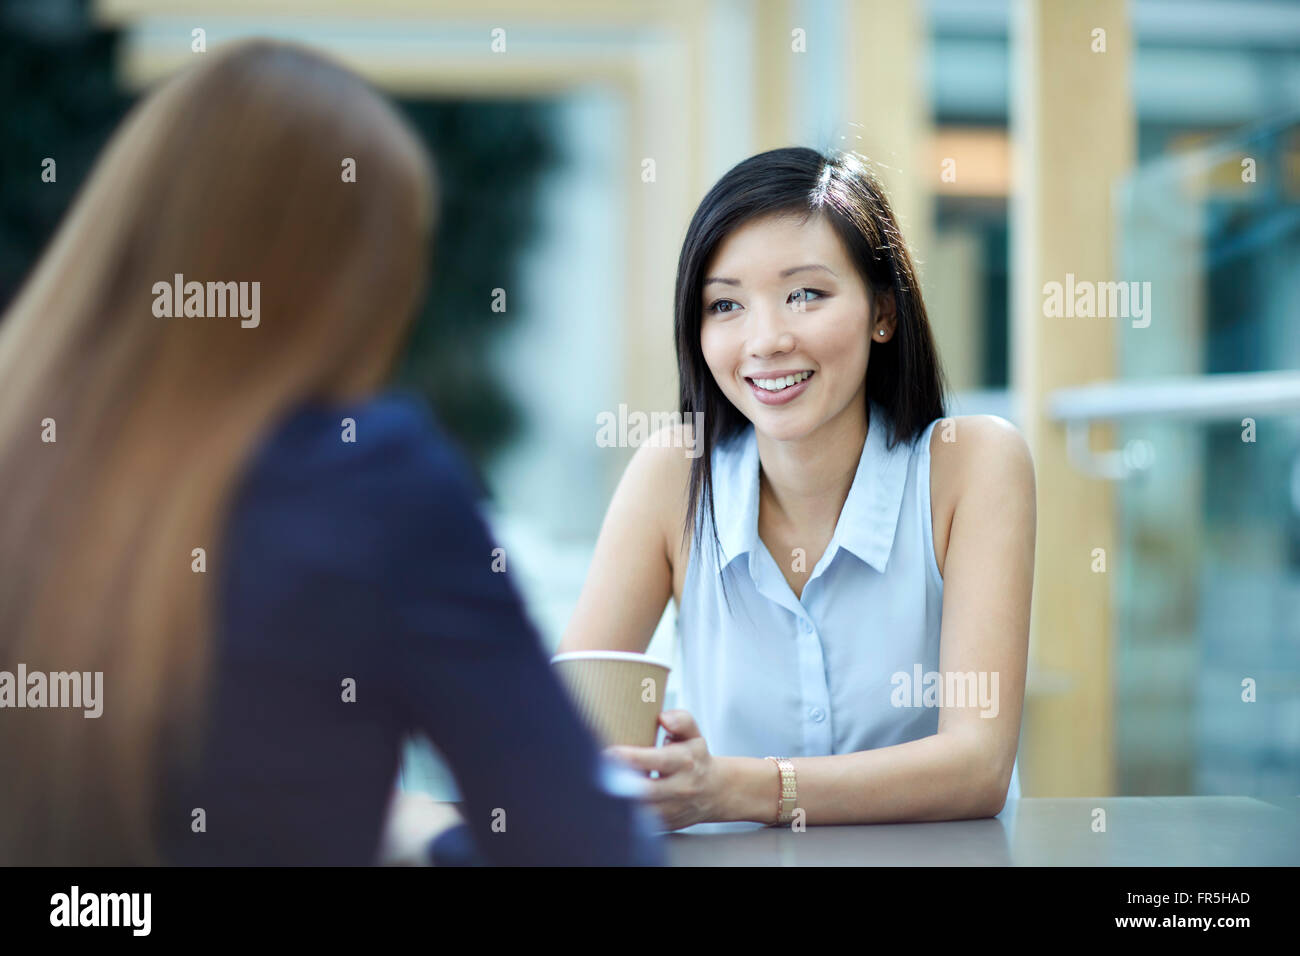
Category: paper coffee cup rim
<point>609,656</point>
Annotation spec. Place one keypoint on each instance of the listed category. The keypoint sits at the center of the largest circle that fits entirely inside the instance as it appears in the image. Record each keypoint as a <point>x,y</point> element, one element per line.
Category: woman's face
<point>787,327</point>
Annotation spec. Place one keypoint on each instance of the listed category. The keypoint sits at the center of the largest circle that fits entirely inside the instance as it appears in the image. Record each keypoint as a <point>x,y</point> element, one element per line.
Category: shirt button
<point>806,626</point>
<point>817,714</point>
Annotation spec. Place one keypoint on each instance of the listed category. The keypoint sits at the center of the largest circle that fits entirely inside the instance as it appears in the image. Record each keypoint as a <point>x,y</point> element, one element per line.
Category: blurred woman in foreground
<point>279,572</point>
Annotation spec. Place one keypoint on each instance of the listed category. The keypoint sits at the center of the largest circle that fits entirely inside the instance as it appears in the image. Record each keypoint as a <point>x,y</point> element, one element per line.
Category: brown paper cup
<point>618,693</point>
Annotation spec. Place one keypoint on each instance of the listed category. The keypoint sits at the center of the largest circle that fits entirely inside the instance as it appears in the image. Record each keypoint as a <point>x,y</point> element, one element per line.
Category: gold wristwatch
<point>789,792</point>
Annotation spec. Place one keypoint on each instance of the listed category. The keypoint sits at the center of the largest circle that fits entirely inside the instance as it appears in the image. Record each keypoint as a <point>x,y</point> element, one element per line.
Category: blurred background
<point>1023,142</point>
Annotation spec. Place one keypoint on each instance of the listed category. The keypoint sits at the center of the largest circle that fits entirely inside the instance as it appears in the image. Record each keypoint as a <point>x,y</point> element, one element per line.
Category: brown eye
<point>802,296</point>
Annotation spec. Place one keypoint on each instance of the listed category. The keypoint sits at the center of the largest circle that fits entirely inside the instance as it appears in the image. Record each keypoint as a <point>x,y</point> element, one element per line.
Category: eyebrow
<point>784,273</point>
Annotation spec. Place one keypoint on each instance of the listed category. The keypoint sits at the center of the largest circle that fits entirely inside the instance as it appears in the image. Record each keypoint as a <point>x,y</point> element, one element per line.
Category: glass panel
<point>1208,561</point>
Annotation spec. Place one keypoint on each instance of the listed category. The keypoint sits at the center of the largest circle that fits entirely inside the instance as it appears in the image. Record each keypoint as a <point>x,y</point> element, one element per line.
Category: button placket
<point>813,689</point>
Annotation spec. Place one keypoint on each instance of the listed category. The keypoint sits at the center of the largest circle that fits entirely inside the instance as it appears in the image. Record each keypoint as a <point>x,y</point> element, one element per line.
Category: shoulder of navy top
<point>365,513</point>
<point>372,494</point>
<point>390,443</point>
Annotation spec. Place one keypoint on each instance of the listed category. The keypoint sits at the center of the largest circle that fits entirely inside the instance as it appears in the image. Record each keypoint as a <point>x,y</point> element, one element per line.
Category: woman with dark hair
<point>852,571</point>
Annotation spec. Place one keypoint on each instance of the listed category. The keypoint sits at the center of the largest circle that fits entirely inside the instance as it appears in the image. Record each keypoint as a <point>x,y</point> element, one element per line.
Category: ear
<point>886,320</point>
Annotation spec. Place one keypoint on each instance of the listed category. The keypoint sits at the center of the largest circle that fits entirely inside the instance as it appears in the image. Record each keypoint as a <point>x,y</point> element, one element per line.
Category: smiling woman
<point>746,344</point>
<point>828,535</point>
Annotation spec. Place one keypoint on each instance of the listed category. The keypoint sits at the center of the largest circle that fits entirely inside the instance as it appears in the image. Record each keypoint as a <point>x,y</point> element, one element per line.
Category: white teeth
<point>776,384</point>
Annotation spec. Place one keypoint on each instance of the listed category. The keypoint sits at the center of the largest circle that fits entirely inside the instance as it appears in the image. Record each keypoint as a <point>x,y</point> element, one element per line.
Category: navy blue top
<point>368,561</point>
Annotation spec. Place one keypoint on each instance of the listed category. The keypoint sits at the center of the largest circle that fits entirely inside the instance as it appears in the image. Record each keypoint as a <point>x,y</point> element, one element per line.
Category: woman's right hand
<point>413,820</point>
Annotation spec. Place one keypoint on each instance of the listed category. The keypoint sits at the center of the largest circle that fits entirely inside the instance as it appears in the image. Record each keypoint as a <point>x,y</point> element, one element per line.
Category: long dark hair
<point>904,377</point>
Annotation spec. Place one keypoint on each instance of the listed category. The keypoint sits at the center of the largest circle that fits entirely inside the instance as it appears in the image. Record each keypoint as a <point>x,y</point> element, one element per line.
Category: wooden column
<point>1073,128</point>
<point>887,104</point>
<point>773,65</point>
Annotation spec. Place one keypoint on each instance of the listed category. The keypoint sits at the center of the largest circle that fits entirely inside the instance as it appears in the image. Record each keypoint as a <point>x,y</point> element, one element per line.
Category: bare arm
<point>630,578</point>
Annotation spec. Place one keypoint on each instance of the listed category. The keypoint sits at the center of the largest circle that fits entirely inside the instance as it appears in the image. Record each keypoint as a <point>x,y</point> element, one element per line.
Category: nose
<point>768,332</point>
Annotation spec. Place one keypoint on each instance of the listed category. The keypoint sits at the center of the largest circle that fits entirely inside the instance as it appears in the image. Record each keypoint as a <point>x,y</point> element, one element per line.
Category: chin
<point>781,427</point>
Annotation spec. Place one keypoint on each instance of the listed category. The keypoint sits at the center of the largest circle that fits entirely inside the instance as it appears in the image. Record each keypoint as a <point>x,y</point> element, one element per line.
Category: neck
<point>804,483</point>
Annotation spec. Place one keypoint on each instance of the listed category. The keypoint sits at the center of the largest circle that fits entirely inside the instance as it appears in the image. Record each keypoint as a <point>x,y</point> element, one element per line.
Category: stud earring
<point>880,332</point>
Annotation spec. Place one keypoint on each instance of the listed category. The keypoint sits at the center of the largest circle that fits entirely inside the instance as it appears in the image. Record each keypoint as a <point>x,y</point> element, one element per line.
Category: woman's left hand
<point>690,786</point>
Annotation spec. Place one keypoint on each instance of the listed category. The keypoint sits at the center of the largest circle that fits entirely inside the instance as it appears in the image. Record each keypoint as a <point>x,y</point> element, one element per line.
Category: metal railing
<point>1192,398</point>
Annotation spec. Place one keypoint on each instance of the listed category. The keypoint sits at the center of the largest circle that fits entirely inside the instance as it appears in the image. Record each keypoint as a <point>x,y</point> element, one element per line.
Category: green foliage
<point>62,101</point>
<point>490,156</point>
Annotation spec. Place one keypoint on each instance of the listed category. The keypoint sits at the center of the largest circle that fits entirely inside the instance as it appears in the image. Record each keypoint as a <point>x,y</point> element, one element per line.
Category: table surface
<point>1033,831</point>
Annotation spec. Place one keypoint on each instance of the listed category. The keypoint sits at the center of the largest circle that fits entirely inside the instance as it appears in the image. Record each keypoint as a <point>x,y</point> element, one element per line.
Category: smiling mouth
<point>778,385</point>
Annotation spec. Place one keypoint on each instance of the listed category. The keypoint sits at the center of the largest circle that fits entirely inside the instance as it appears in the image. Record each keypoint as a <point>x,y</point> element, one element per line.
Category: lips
<point>782,396</point>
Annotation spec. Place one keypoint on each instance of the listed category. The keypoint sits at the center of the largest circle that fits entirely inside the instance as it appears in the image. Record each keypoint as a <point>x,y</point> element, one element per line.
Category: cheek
<point>843,343</point>
<point>717,353</point>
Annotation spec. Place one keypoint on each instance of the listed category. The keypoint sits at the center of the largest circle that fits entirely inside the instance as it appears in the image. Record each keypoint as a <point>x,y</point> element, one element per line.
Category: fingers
<point>674,790</point>
<point>679,724</point>
<point>669,759</point>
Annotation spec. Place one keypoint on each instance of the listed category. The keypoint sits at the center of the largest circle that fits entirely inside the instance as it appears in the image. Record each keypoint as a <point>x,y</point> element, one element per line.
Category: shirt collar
<point>867,522</point>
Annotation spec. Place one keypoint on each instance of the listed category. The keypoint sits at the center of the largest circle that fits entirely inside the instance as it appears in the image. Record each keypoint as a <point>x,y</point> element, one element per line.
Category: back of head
<point>218,268</point>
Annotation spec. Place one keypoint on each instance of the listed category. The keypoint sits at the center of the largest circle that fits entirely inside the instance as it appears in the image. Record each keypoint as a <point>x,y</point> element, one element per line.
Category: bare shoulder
<point>981,465</point>
<point>631,575</point>
<point>667,454</point>
<point>660,472</point>
<point>980,455</point>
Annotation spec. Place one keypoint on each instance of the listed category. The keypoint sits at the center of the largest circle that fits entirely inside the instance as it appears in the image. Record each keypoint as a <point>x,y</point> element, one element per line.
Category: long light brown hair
<point>231,172</point>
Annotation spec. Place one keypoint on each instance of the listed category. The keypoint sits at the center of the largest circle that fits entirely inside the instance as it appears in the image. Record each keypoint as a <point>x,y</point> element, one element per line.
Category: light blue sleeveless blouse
<point>808,677</point>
